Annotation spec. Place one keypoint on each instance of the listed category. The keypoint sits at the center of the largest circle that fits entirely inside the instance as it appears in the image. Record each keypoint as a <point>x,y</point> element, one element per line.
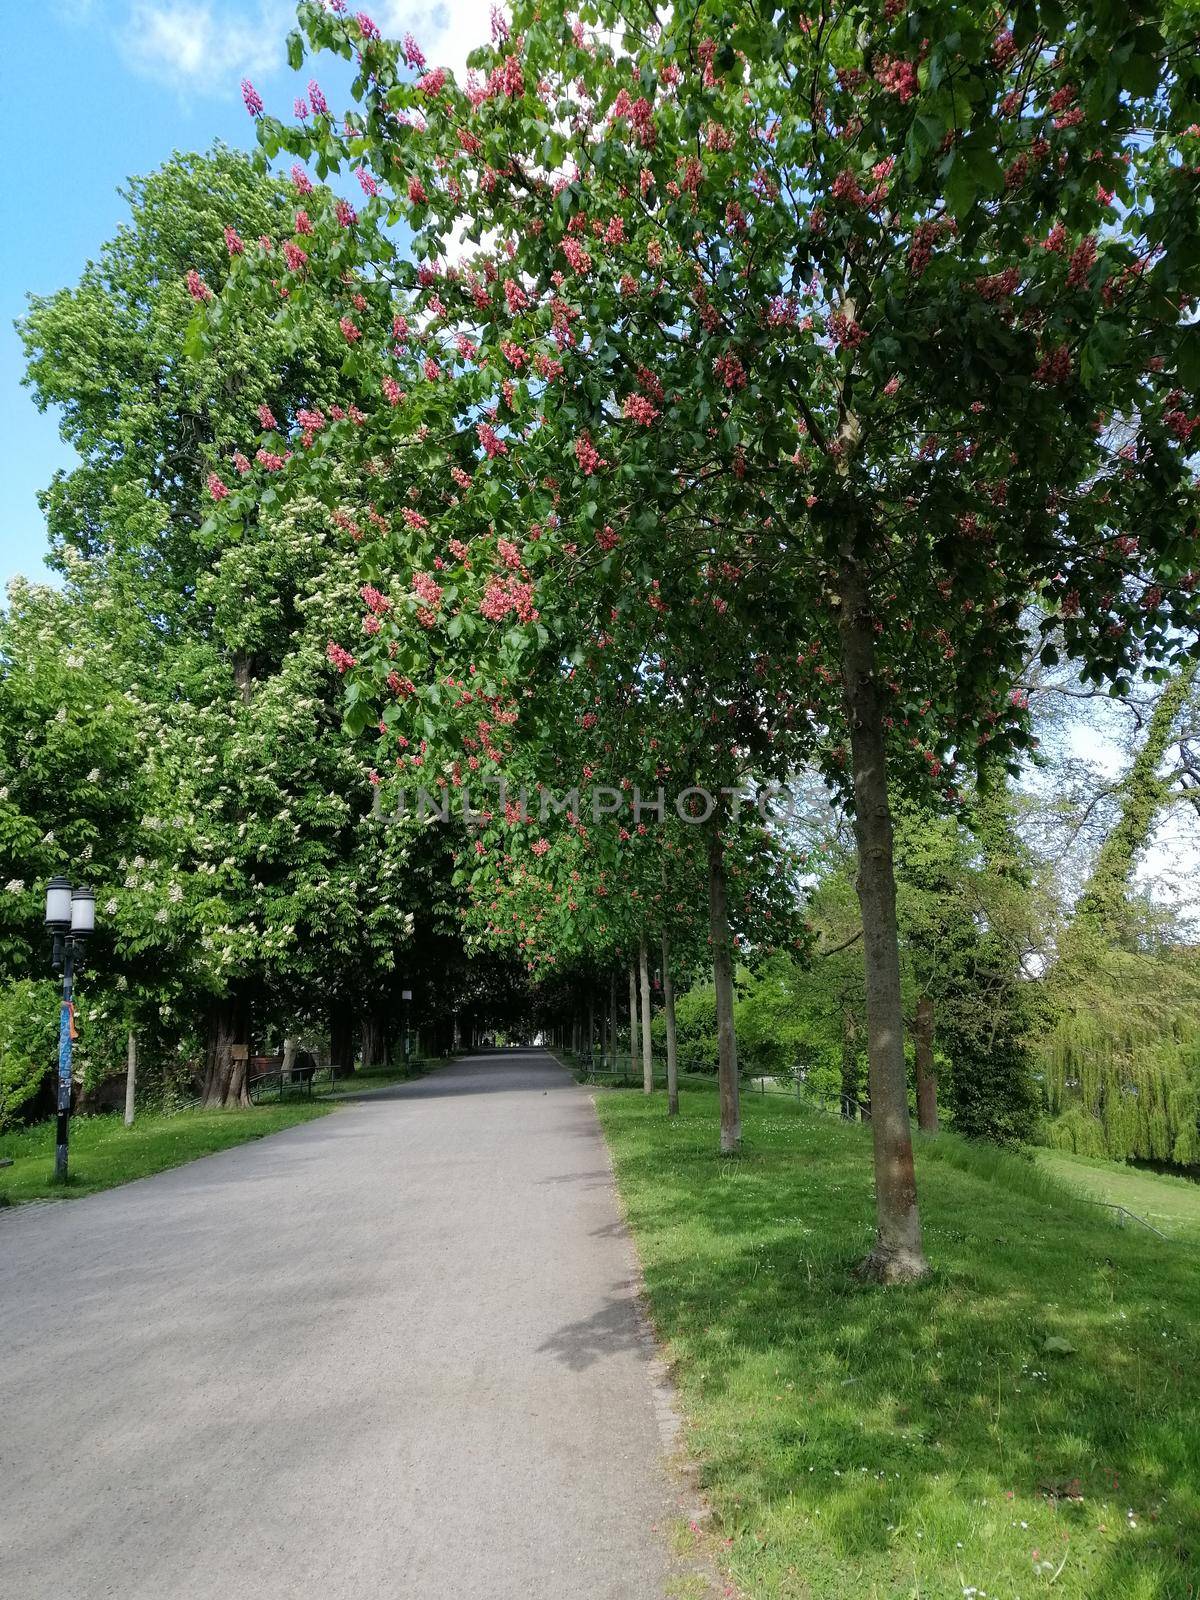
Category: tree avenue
<point>843,339</point>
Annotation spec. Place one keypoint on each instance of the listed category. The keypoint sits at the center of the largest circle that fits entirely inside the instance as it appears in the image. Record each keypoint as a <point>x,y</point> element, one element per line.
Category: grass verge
<point>105,1153</point>
<point>1022,1424</point>
<point>1171,1204</point>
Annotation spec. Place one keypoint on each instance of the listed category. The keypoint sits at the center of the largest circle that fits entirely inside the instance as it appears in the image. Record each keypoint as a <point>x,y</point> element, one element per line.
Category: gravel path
<point>393,1352</point>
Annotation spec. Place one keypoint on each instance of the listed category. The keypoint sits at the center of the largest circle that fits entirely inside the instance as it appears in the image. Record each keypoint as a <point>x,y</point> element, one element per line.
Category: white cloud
<point>446,33</point>
<point>195,44</point>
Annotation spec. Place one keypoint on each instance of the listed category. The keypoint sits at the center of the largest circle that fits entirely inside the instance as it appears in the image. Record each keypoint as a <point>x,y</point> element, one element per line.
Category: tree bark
<point>131,1053</point>
<point>927,1106</point>
<point>647,1041</point>
<point>591,1022</point>
<point>341,1039</point>
<point>722,954</point>
<point>849,1064</point>
<point>633,1018</point>
<point>898,1255</point>
<point>669,1019</point>
<point>225,1078</point>
<point>373,1039</point>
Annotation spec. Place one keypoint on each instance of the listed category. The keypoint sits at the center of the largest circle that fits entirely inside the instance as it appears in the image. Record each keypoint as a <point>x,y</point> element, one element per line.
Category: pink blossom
<point>412,52</point>
<point>578,257</point>
<point>416,192</point>
<point>491,441</point>
<point>898,77</point>
<point>345,213</point>
<point>351,332</point>
<point>414,519</point>
<point>233,241</point>
<point>241,463</point>
<point>301,180</point>
<point>426,590</point>
<point>296,258</point>
<point>269,460</point>
<point>392,391</point>
<point>366,27</point>
<point>197,288</point>
<point>638,409</point>
<point>432,83</point>
<point>216,488</point>
<point>508,553</point>
<point>266,417</point>
<point>514,296</point>
<point>730,371</point>
<point>374,600</point>
<point>316,99</point>
<point>310,421</point>
<point>540,846</point>
<point>506,595</point>
<point>339,658</point>
<point>1082,261</point>
<point>366,182</point>
<point>300,107</point>
<point>252,98</point>
<point>587,455</point>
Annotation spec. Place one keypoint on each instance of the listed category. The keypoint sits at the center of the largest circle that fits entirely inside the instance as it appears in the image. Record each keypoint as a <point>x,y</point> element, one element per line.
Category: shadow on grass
<point>918,1436</point>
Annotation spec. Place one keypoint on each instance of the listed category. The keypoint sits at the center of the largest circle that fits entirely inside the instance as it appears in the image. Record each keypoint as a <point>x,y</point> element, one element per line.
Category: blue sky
<point>95,90</point>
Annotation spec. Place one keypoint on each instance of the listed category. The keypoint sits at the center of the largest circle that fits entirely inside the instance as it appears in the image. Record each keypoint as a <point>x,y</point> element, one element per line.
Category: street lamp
<point>70,919</point>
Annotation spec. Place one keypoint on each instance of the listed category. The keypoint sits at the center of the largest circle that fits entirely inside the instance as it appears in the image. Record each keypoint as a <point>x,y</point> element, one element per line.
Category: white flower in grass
<point>14,886</point>
<point>110,908</point>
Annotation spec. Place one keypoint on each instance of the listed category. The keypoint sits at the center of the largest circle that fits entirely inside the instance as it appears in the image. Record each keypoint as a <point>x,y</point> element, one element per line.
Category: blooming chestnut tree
<point>879,315</point>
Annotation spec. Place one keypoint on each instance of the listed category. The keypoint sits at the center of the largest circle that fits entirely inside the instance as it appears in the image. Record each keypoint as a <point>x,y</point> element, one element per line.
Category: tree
<point>777,283</point>
<point>249,885</point>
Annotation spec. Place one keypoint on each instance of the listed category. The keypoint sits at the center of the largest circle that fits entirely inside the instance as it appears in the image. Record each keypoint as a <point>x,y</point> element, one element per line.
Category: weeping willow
<point>1121,1063</point>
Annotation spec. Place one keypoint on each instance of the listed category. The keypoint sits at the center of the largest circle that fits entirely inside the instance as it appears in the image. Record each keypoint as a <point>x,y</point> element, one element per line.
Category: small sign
<point>406,994</point>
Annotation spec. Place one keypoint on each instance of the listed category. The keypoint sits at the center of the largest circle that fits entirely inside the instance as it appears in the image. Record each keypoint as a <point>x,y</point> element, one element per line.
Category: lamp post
<point>70,919</point>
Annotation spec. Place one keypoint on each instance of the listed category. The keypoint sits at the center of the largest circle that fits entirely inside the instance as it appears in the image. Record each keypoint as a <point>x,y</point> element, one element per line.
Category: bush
<point>28,1042</point>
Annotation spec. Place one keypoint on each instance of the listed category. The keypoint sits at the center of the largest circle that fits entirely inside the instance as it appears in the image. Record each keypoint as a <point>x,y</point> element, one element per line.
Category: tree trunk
<point>341,1039</point>
<point>849,1064</point>
<point>373,1039</point>
<point>669,1019</point>
<point>289,1059</point>
<point>647,1041</point>
<point>131,1053</point>
<point>898,1255</point>
<point>612,1019</point>
<point>927,1108</point>
<point>633,1019</point>
<point>722,955</point>
<point>225,1077</point>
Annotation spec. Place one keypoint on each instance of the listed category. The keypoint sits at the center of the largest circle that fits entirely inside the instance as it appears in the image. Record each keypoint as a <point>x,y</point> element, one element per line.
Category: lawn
<point>1025,1423</point>
<point>104,1152</point>
<point>1172,1205</point>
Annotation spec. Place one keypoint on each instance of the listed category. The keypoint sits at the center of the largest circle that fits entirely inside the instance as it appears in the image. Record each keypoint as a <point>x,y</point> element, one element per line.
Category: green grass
<point>105,1153</point>
<point>1171,1204</point>
<point>868,1444</point>
<point>381,1077</point>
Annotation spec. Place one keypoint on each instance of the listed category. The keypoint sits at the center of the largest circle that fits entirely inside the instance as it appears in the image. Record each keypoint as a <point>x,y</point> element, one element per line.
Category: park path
<point>392,1352</point>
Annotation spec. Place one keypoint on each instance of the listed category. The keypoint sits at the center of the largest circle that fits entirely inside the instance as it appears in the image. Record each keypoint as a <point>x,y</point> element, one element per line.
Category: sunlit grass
<point>862,1444</point>
<point>103,1152</point>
